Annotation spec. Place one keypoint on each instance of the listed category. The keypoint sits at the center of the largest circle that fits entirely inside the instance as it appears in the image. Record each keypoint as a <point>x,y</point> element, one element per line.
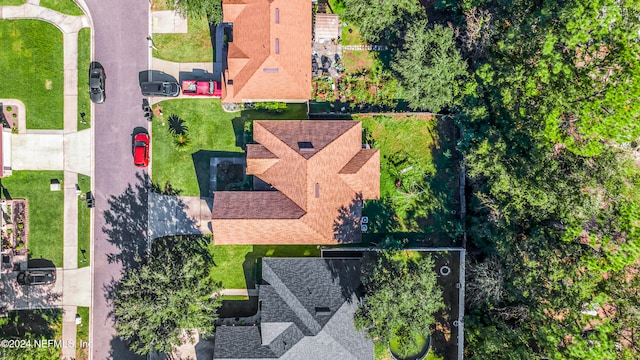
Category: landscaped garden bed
<point>10,117</point>
<point>34,53</point>
<point>15,231</point>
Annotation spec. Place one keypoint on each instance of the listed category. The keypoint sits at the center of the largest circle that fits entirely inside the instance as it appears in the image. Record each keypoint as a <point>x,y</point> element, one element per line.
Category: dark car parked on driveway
<point>37,277</point>
<point>160,88</point>
<point>96,83</point>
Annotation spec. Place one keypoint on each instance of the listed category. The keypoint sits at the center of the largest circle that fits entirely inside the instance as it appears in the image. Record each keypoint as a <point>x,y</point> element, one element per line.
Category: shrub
<point>271,106</point>
<point>181,142</point>
<point>9,108</point>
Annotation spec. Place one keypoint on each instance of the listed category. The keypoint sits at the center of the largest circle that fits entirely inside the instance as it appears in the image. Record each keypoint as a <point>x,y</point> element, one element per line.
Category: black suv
<point>37,276</point>
<point>160,88</point>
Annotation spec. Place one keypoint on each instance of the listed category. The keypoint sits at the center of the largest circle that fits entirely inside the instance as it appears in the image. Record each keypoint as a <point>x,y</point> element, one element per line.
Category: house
<point>269,52</point>
<point>306,311</point>
<point>316,174</point>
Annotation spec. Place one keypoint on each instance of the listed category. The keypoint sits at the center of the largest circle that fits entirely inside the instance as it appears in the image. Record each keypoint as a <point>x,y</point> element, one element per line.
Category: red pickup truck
<point>201,88</point>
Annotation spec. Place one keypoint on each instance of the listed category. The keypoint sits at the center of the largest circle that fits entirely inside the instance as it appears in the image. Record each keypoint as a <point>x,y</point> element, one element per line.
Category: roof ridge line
<point>293,299</point>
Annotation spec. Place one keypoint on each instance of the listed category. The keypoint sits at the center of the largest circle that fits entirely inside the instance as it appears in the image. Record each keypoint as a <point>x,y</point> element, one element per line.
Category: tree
<point>170,292</point>
<point>401,297</point>
<point>383,21</point>
<point>212,9</point>
<point>430,67</point>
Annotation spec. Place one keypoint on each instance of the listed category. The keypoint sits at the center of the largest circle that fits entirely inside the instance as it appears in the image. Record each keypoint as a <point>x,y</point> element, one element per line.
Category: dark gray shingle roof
<point>307,313</point>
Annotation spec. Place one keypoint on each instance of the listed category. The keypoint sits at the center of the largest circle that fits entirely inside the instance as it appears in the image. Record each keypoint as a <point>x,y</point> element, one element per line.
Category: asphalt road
<point>121,29</point>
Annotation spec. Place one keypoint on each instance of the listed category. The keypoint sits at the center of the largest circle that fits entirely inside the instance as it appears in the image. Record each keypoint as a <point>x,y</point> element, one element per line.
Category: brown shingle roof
<point>326,183</point>
<point>259,69</point>
<point>251,205</point>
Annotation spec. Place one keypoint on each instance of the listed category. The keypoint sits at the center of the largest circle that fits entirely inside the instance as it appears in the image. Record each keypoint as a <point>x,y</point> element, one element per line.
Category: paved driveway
<point>39,151</point>
<point>121,30</point>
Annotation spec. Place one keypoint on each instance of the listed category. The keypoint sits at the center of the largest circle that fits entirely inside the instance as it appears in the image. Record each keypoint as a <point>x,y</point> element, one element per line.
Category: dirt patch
<point>48,84</point>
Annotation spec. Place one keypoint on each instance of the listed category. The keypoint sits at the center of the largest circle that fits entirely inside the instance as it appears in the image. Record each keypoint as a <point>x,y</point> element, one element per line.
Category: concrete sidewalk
<point>168,22</point>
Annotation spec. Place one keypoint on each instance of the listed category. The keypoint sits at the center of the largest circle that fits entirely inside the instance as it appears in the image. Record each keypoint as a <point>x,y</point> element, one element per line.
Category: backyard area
<point>239,266</point>
<point>418,176</point>
<point>33,52</point>
<point>46,212</point>
<point>210,132</point>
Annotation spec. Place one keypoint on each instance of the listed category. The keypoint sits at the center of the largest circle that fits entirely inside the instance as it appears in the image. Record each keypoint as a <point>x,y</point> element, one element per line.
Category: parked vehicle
<point>96,83</point>
<point>141,150</point>
<point>37,276</point>
<point>160,88</point>
<point>201,88</point>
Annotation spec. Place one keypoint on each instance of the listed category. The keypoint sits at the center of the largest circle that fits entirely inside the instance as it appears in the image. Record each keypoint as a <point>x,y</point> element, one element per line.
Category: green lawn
<point>158,5</point>
<point>46,211</point>
<point>237,266</point>
<point>194,46</point>
<point>213,132</point>
<point>84,223</point>
<point>68,7</point>
<point>82,333</point>
<point>84,59</point>
<point>12,2</point>
<point>418,174</point>
<point>210,130</point>
<point>32,49</point>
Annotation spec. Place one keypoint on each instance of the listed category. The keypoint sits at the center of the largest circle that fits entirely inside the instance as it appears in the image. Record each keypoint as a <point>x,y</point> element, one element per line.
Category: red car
<point>201,88</point>
<point>141,150</point>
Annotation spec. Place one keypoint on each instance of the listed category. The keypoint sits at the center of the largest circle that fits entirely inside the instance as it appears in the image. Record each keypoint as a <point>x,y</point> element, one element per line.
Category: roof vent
<point>230,82</point>
<point>270,70</point>
<point>277,46</point>
<point>322,310</point>
<point>305,145</point>
<point>317,190</point>
<point>277,16</point>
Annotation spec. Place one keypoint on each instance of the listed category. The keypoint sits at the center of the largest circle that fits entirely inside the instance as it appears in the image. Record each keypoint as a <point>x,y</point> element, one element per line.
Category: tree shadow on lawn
<point>202,165</point>
<point>22,323</point>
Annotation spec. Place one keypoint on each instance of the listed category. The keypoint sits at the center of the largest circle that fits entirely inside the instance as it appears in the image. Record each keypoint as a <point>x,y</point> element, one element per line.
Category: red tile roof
<point>321,174</point>
<point>258,69</point>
